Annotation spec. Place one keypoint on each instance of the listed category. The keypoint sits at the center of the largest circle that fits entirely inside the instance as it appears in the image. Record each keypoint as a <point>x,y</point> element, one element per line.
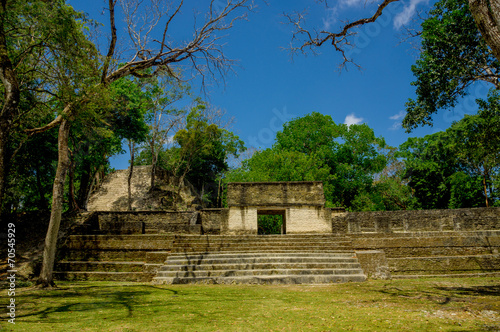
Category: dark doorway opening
<point>271,222</point>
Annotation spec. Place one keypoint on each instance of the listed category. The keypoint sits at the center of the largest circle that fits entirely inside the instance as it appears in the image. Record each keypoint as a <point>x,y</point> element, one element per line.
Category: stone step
<point>229,254</point>
<point>104,276</point>
<point>100,266</point>
<point>255,272</point>
<point>253,260</point>
<point>265,245</point>
<point>116,255</point>
<point>256,250</point>
<point>108,242</point>
<point>260,266</point>
<point>259,239</point>
<point>273,279</point>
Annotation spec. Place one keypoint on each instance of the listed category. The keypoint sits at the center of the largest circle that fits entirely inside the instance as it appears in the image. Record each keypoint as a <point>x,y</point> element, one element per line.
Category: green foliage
<point>453,56</point>
<point>127,114</point>
<point>459,167</point>
<point>203,149</point>
<point>269,224</point>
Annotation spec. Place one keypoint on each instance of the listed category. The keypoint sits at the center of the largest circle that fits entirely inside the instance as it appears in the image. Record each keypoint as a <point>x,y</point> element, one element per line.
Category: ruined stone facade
<point>301,204</point>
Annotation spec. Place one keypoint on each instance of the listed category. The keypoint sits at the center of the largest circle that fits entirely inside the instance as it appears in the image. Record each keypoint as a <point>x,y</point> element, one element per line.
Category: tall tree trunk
<point>131,145</point>
<point>3,164</point>
<point>11,99</point>
<point>42,202</point>
<point>153,163</point>
<point>486,14</point>
<point>72,199</point>
<point>85,181</point>
<point>49,252</point>
<point>485,190</point>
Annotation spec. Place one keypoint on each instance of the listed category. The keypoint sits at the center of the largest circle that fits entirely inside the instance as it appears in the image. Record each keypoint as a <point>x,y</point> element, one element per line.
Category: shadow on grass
<point>491,290</point>
<point>87,298</point>
<point>443,294</point>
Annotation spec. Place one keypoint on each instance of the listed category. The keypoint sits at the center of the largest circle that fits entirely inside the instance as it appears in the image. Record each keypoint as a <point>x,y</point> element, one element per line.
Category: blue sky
<point>268,88</point>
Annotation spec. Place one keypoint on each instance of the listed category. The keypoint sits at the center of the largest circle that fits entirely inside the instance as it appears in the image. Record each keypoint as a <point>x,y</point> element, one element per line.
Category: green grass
<point>471,304</point>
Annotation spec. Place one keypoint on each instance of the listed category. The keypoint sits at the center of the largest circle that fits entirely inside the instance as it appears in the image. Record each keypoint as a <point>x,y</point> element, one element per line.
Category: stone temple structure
<point>316,244</point>
<point>301,205</point>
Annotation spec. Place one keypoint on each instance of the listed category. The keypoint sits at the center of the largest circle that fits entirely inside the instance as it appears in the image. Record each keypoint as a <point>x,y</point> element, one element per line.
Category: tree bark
<point>72,198</point>
<point>11,99</point>
<point>486,14</point>
<point>485,191</point>
<point>49,253</point>
<point>153,163</point>
<point>85,180</point>
<point>131,146</point>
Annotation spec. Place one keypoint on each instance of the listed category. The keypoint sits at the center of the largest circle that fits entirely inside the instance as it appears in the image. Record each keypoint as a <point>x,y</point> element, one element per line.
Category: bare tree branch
<point>309,40</point>
<point>203,52</point>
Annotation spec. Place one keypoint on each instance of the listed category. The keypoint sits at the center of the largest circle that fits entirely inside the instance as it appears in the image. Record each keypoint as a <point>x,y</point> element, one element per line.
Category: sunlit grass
<point>471,304</point>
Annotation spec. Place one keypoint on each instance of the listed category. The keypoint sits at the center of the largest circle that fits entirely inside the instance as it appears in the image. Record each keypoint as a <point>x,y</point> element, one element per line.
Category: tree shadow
<point>490,290</point>
<point>96,298</point>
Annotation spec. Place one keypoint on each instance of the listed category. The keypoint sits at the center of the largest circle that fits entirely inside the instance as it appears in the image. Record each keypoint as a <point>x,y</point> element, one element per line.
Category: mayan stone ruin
<point>316,244</point>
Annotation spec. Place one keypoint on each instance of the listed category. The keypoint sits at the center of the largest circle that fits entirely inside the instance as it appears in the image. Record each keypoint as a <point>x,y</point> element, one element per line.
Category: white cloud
<point>396,126</point>
<point>332,12</point>
<point>352,119</point>
<point>398,116</point>
<point>406,15</point>
<point>351,3</point>
<point>331,18</point>
<point>397,120</point>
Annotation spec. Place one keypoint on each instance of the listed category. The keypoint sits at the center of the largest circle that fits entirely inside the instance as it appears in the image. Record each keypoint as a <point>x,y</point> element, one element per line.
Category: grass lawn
<point>471,304</point>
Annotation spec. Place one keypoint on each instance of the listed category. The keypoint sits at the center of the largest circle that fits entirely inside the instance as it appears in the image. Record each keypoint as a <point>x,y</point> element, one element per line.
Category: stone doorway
<point>272,221</point>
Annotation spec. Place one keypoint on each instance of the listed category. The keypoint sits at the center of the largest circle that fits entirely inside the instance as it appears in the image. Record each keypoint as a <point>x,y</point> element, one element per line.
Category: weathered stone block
<point>374,264</point>
<point>275,194</point>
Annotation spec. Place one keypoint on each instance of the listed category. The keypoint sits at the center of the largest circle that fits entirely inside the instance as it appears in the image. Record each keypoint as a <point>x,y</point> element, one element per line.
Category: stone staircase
<point>112,257</point>
<point>252,259</point>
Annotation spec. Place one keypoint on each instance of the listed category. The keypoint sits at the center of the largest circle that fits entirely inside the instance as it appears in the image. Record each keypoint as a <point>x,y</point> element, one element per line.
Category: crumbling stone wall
<point>213,221</point>
<point>301,204</point>
<point>414,254</point>
<point>145,222</point>
<point>275,194</point>
<point>416,221</point>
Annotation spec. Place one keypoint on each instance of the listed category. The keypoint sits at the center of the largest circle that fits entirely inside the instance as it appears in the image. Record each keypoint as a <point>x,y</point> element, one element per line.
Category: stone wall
<point>418,254</point>
<point>145,222</point>
<point>275,194</point>
<point>213,220</point>
<point>308,219</point>
<point>416,221</point>
<point>241,220</point>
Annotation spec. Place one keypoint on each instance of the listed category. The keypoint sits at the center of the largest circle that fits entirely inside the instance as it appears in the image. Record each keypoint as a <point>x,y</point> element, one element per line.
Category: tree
<point>477,139</point>
<point>35,36</point>
<point>203,150</point>
<point>203,52</point>
<point>429,163</point>
<point>457,168</point>
<point>453,56</point>
<point>163,92</point>
<point>128,116</point>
